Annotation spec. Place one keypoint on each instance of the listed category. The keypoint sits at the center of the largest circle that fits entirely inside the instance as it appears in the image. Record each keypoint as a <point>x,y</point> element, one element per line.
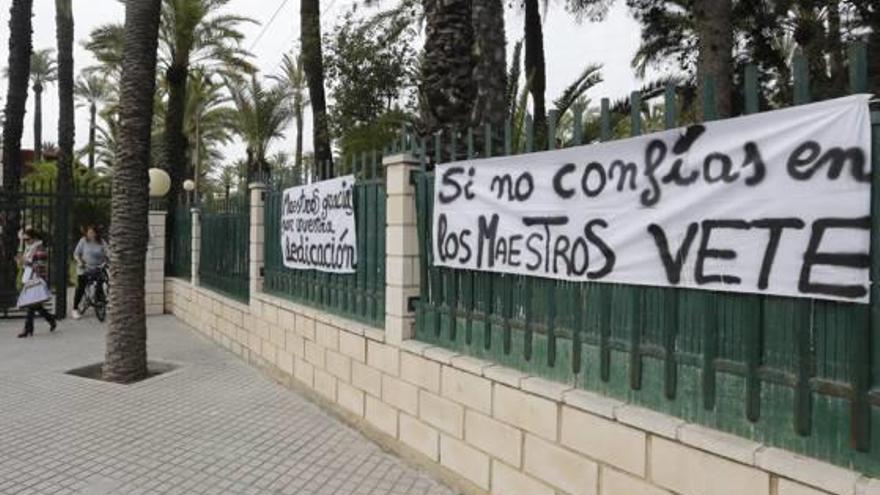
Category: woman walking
<point>35,290</point>
<point>90,255</point>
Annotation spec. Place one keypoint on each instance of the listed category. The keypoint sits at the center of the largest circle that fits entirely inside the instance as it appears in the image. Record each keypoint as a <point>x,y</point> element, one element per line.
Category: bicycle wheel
<point>101,311</point>
<point>86,300</point>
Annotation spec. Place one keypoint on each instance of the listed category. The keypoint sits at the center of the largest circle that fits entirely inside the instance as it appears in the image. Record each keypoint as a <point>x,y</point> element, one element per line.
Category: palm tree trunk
<point>93,122</point>
<point>298,153</point>
<point>714,28</point>
<point>20,47</point>
<point>66,130</point>
<point>536,71</point>
<point>313,64</point>
<point>38,123</point>
<point>175,140</point>
<point>125,357</point>
<point>835,48</point>
<point>490,72</point>
<point>448,88</point>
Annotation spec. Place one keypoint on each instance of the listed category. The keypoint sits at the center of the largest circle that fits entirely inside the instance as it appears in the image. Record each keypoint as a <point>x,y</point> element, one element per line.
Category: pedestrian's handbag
<point>35,291</point>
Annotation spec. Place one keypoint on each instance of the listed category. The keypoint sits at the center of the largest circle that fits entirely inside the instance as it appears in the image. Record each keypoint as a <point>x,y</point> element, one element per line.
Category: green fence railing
<point>224,252</point>
<point>179,245</point>
<point>359,296</point>
<point>794,373</point>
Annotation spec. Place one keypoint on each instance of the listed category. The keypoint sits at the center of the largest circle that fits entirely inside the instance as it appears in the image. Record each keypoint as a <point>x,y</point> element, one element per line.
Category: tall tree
<point>714,27</point>
<point>370,63</point>
<point>66,134</point>
<point>20,47</point>
<point>193,32</point>
<point>92,90</point>
<point>106,44</point>
<point>448,91</point>
<point>313,65</point>
<point>125,357</point>
<point>210,122</point>
<point>43,71</point>
<point>536,71</point>
<point>490,71</point>
<point>262,116</point>
<point>293,77</point>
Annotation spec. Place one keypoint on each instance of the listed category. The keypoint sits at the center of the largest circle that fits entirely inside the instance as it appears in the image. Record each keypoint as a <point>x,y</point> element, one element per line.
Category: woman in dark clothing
<point>35,291</point>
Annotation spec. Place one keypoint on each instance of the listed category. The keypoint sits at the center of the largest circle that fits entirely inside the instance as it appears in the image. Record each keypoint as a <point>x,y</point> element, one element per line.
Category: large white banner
<point>771,203</point>
<point>317,226</point>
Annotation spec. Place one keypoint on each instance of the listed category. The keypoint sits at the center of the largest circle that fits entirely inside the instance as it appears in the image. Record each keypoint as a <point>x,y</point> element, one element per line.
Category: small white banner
<point>317,226</point>
<point>771,203</point>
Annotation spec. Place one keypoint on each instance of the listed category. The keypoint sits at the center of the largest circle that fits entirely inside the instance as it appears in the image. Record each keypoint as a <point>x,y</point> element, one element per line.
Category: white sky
<point>569,47</point>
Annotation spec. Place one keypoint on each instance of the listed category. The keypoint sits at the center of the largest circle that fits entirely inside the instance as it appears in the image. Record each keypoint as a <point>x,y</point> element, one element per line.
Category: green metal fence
<point>225,244</point>
<point>795,373</point>
<point>359,296</point>
<point>179,245</point>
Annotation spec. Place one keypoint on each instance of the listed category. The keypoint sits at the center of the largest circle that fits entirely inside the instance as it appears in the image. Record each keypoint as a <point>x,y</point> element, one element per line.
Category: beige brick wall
<point>493,429</point>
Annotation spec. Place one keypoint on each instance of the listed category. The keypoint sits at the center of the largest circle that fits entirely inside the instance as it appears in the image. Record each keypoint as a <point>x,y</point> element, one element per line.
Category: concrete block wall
<point>483,427</point>
<point>491,429</point>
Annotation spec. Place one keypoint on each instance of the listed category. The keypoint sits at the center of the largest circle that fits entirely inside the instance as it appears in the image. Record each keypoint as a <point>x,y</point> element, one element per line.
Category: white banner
<point>771,203</point>
<point>317,226</point>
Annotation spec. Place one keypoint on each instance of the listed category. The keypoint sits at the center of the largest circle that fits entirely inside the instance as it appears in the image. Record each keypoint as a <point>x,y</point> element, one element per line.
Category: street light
<point>189,186</point>
<point>160,183</point>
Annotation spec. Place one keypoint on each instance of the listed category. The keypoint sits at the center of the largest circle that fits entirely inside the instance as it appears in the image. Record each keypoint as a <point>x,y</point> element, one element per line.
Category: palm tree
<point>262,115</point>
<point>228,179</point>
<point>293,78</point>
<point>714,27</point>
<point>490,72</point>
<point>107,140</point>
<point>20,47</point>
<point>92,90</point>
<point>106,43</point>
<point>43,72</point>
<point>313,65</point>
<point>209,122</point>
<point>193,33</point>
<point>66,131</point>
<point>536,70</point>
<point>125,357</point>
<point>448,91</point>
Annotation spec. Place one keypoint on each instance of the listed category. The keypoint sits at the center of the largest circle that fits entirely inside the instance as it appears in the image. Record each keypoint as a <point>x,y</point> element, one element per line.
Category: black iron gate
<point>58,221</point>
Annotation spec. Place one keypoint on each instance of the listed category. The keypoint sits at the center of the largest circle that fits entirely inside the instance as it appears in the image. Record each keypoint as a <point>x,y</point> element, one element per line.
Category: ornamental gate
<point>38,205</point>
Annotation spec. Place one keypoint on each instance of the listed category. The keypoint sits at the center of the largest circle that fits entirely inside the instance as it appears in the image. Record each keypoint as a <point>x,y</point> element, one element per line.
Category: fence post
<point>155,269</point>
<point>195,245</point>
<point>401,247</point>
<point>257,237</point>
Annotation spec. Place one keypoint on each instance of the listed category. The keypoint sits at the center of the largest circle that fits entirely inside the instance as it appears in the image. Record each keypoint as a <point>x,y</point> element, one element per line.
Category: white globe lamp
<point>189,185</point>
<point>160,183</point>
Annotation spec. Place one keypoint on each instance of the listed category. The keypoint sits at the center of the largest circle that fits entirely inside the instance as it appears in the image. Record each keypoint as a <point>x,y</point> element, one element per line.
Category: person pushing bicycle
<point>91,256</point>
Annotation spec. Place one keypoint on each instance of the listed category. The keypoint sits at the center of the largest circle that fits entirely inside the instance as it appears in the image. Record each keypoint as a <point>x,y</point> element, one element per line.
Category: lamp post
<point>189,186</point>
<point>160,183</point>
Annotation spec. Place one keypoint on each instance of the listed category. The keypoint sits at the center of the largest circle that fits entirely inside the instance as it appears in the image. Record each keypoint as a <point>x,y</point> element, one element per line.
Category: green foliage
<point>262,114</point>
<point>197,32</point>
<point>370,65</point>
<point>371,137</point>
<point>91,198</point>
<point>43,67</point>
<point>105,42</point>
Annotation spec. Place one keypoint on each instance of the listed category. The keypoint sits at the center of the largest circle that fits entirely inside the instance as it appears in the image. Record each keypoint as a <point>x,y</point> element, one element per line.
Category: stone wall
<point>491,429</point>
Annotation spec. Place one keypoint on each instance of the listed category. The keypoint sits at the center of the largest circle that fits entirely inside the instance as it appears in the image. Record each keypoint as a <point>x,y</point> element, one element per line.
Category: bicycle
<point>92,297</point>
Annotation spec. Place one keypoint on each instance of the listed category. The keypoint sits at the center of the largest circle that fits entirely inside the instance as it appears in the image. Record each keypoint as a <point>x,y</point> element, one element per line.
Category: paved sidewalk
<point>214,425</point>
